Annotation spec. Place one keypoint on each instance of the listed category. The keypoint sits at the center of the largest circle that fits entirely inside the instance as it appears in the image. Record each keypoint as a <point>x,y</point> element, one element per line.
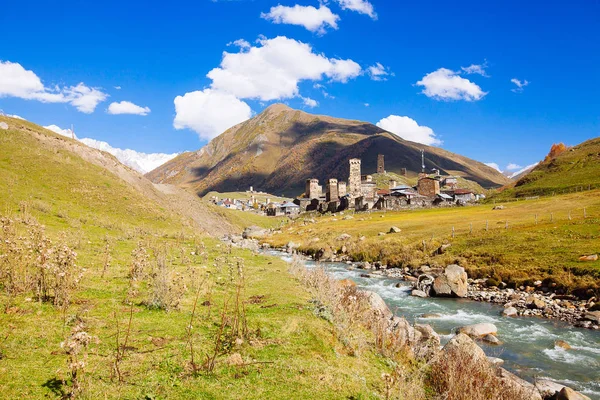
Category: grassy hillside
<point>576,169</point>
<point>513,248</point>
<point>279,149</point>
<point>144,266</point>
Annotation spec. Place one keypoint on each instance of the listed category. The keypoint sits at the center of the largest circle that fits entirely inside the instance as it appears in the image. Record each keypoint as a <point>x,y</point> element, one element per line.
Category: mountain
<point>277,150</point>
<point>62,176</point>
<point>563,170</point>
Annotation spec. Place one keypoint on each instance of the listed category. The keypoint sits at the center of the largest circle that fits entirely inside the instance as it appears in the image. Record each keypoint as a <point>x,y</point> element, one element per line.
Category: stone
<point>424,283</point>
<point>593,316</point>
<point>347,217</point>
<point>462,344</point>
<point>478,330</point>
<point>395,229</point>
<point>500,207</point>
<point>235,359</point>
<point>452,283</point>
<point>418,293</point>
<point>592,257</point>
<point>491,339</point>
<point>569,394</point>
<point>254,232</point>
<point>431,315</point>
<point>512,381</point>
<point>346,283</point>
<point>548,388</point>
<point>377,304</point>
<point>495,361</point>
<point>292,245</point>
<point>510,312</point>
<point>563,344</point>
<point>442,249</point>
<point>535,303</point>
<point>3,125</point>
<point>343,236</point>
<point>381,233</point>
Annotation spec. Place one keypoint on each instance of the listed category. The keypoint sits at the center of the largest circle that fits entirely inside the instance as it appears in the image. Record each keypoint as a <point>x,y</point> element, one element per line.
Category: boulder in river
<point>563,344</point>
<point>452,282</point>
<point>569,394</point>
<point>593,316</point>
<point>510,312</point>
<point>431,315</point>
<point>547,388</point>
<point>418,293</point>
<point>254,232</point>
<point>478,330</point>
<point>491,339</point>
<point>535,303</point>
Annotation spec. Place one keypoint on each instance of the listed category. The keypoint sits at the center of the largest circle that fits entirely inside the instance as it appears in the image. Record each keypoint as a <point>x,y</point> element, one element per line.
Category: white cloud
<point>273,70</point>
<point>309,102</point>
<point>241,43</point>
<point>209,112</point>
<point>378,72</point>
<point>479,69</point>
<point>16,81</point>
<point>522,170</point>
<point>367,104</point>
<point>360,6</point>
<point>141,162</point>
<point>445,84</point>
<point>513,167</point>
<point>493,165</point>
<point>15,116</point>
<point>127,107</point>
<point>311,18</point>
<point>520,85</point>
<point>118,87</point>
<point>64,132</point>
<point>408,129</point>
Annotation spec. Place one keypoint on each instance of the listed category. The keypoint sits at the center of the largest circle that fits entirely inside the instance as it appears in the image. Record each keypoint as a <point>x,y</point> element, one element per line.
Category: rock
<point>3,125</point>
<point>377,304</point>
<point>563,344</point>
<point>362,238</point>
<point>430,315</point>
<point>409,278</point>
<point>491,339</point>
<point>292,245</point>
<point>593,257</point>
<point>424,283</point>
<point>418,293</point>
<point>548,388</point>
<point>395,229</point>
<point>569,394</point>
<point>478,330</point>
<point>510,312</point>
<point>254,232</point>
<point>347,283</point>
<point>430,341</point>
<point>462,344</point>
<point>593,316</point>
<point>365,275</point>
<point>495,361</point>
<point>535,303</point>
<point>343,236</point>
<point>452,283</point>
<point>381,234</point>
<point>442,249</point>
<point>500,207</point>
<point>516,384</point>
<point>347,217</point>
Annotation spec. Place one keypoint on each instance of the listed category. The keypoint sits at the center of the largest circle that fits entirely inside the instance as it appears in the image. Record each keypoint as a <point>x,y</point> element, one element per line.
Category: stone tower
<point>354,179</point>
<point>341,188</point>
<point>312,189</point>
<point>332,190</point>
<point>380,164</point>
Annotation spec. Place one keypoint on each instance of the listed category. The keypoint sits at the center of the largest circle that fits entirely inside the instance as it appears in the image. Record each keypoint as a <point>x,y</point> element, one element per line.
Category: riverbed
<point>528,347</point>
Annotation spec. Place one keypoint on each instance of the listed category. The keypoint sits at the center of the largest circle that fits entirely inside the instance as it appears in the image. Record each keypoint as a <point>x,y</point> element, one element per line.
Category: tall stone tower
<point>312,189</point>
<point>332,190</point>
<point>341,188</point>
<point>380,164</point>
<point>354,179</point>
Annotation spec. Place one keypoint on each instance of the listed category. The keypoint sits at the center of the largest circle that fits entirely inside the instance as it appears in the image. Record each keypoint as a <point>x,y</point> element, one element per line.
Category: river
<point>528,347</point>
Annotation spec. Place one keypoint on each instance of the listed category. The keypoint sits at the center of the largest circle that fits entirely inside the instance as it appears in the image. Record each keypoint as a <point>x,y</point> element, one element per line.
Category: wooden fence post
<point>584,213</point>
<point>471,228</point>
<point>452,232</point>
<point>569,215</point>
<point>506,225</point>
<point>486,225</point>
<point>536,219</point>
<point>551,217</point>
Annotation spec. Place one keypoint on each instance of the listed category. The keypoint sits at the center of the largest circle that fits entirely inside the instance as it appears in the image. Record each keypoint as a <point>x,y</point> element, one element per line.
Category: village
<point>361,193</point>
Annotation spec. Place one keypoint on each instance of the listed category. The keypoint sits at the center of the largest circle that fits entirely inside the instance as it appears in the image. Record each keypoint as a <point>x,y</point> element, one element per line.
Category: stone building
<point>341,188</point>
<point>428,187</point>
<point>354,179</point>
<point>380,164</point>
<point>313,190</point>
<point>332,190</point>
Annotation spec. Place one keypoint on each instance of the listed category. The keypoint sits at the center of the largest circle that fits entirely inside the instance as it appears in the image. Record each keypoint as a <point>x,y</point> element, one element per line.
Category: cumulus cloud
<point>520,85</point>
<point>141,162</point>
<point>127,107</point>
<point>407,128</point>
<point>309,102</point>
<point>209,112</point>
<point>378,72</point>
<point>493,165</point>
<point>273,69</point>
<point>16,81</point>
<point>479,69</point>
<point>513,167</point>
<point>311,18</point>
<point>241,43</point>
<point>360,6</point>
<point>445,84</point>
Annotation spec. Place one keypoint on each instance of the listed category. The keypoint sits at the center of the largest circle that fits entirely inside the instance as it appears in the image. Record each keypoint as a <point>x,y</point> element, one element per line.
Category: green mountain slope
<point>279,149</point>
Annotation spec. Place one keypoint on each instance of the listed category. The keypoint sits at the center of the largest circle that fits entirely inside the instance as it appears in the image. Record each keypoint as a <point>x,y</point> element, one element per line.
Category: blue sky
<point>155,52</point>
